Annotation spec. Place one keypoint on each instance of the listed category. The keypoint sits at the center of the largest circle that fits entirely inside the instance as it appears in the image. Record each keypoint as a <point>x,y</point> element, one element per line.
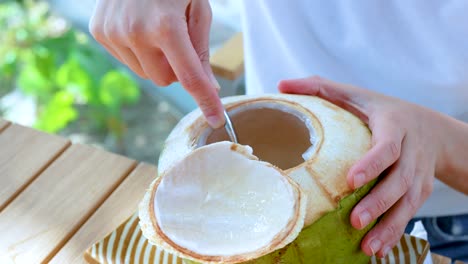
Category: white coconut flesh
<point>220,201</point>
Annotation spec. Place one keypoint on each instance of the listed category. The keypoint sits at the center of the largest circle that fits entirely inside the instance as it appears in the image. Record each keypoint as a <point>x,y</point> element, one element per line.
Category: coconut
<point>217,201</point>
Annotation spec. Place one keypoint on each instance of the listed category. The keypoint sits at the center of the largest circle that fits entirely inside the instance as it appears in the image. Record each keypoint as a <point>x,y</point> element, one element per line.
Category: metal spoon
<point>229,128</point>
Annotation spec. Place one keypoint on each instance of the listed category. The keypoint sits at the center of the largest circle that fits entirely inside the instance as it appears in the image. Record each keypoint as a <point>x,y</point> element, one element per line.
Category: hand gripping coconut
<point>279,196</point>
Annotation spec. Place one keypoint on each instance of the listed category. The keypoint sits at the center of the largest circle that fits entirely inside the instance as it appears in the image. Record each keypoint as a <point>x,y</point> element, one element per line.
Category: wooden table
<point>58,198</point>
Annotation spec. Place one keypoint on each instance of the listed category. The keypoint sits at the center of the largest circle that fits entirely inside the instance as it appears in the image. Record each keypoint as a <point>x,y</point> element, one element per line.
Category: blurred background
<point>56,78</point>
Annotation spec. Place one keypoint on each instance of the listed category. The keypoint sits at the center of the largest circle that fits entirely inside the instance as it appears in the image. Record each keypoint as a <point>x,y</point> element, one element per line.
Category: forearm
<point>453,168</point>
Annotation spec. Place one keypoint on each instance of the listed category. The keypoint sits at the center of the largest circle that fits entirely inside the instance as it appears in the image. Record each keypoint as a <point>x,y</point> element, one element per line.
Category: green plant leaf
<point>74,79</point>
<point>45,62</point>
<point>57,113</point>
<point>61,45</point>
<point>8,61</point>
<point>32,82</point>
<point>117,88</point>
<point>59,68</point>
<point>94,60</point>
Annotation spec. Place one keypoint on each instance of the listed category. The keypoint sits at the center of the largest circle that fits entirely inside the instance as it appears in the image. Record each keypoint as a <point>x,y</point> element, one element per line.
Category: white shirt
<point>415,50</point>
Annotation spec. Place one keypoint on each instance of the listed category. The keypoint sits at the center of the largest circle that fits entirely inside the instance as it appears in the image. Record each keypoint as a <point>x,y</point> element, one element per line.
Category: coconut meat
<point>221,201</point>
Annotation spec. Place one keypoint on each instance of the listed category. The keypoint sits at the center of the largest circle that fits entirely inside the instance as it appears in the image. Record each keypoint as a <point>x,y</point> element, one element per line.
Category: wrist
<point>452,165</point>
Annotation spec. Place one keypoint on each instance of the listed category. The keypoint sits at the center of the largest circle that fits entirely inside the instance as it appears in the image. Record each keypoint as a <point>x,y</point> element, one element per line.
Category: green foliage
<point>116,89</point>
<point>57,112</point>
<point>58,67</point>
<point>71,77</point>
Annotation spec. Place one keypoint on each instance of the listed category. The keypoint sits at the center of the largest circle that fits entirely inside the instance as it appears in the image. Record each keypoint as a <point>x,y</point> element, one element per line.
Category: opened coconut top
<point>221,204</point>
<point>278,134</point>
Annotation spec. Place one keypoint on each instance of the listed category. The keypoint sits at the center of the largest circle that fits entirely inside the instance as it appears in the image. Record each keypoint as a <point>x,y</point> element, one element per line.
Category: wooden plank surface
<point>439,259</point>
<point>228,61</point>
<point>117,208</point>
<point>24,154</point>
<point>3,124</point>
<point>48,212</point>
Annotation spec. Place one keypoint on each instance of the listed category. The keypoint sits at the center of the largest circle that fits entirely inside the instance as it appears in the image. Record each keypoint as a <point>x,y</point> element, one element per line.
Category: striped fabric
<point>410,249</point>
<point>127,245</point>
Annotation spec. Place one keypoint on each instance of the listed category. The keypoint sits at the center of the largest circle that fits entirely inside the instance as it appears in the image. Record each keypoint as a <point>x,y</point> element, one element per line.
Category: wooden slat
<point>24,153</point>
<point>3,124</point>
<point>439,259</point>
<point>50,210</point>
<point>228,61</point>
<point>117,208</point>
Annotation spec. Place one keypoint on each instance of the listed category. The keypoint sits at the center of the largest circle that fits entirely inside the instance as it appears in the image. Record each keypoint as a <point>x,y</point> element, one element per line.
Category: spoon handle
<point>229,128</point>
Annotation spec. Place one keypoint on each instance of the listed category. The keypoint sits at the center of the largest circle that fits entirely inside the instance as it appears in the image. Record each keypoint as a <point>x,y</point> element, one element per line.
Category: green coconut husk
<point>331,239</point>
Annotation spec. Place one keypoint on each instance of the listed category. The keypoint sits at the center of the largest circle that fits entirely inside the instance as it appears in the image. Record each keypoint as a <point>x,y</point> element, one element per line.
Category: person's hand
<point>406,139</point>
<point>165,41</point>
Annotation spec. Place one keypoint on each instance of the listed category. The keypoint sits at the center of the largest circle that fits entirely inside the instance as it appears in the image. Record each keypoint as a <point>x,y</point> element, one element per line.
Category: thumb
<point>199,23</point>
<point>351,98</point>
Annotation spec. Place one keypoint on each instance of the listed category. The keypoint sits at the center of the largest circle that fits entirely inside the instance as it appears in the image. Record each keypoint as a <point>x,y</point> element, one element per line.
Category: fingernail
<point>385,251</point>
<point>364,218</point>
<point>359,180</point>
<point>214,121</point>
<point>375,246</point>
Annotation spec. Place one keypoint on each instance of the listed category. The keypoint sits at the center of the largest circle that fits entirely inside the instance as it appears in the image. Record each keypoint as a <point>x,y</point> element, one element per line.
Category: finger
<point>131,60</point>
<point>114,38</point>
<point>112,52</point>
<point>189,71</point>
<point>97,32</point>
<point>155,65</point>
<point>387,138</point>
<point>388,231</point>
<point>199,24</point>
<point>109,48</point>
<point>121,54</point>
<point>351,98</point>
<point>387,192</point>
<point>96,21</point>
